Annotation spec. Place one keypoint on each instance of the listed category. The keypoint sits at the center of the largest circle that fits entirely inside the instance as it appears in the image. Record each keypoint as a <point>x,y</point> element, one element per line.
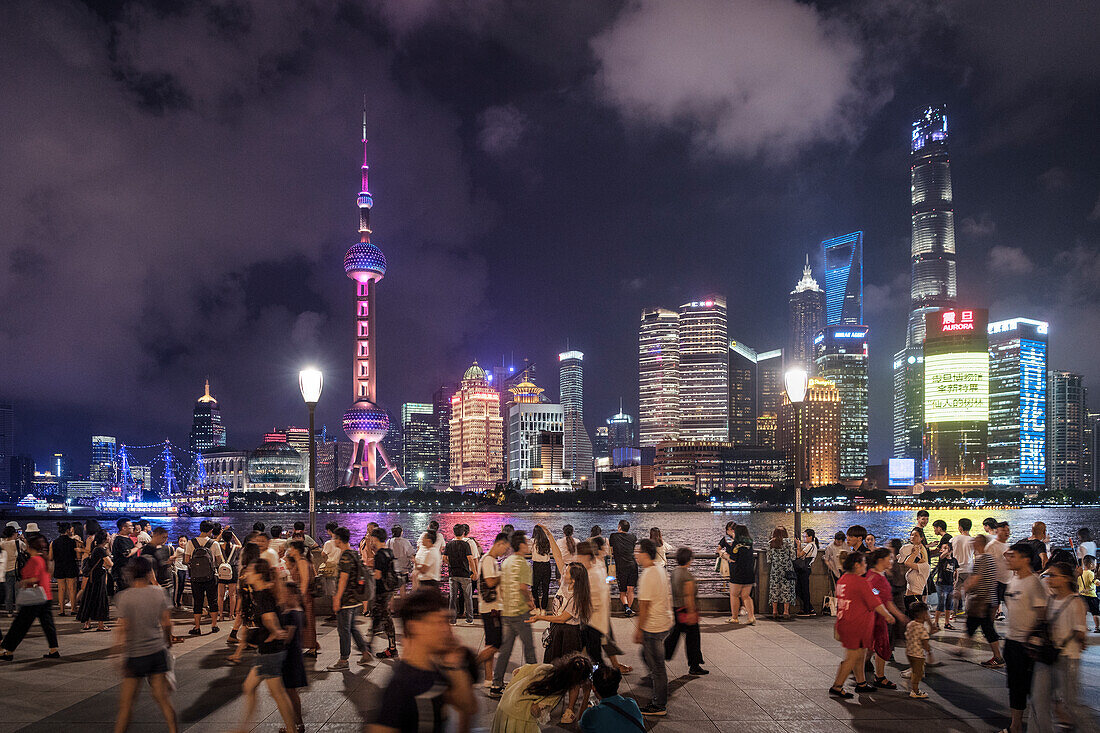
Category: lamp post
<point>796,381</point>
<point>309,382</point>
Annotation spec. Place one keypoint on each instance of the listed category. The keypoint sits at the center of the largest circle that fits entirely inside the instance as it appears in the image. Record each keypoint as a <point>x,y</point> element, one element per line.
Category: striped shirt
<point>985,569</point>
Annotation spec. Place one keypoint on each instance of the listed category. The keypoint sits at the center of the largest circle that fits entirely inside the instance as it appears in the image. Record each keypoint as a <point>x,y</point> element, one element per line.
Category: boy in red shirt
<point>856,607</point>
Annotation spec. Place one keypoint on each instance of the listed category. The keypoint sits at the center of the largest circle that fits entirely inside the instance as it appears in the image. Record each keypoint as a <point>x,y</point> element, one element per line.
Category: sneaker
<point>214,629</point>
<point>698,671</point>
<point>496,692</point>
<point>392,654</point>
<point>907,673</point>
<point>993,663</point>
<point>654,711</point>
<point>194,632</point>
<point>339,666</point>
<point>918,695</point>
<point>841,693</point>
<point>469,622</point>
<point>487,684</point>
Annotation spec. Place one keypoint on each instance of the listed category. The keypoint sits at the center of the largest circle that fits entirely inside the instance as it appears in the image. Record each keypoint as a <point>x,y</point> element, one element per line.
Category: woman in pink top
<point>35,575</point>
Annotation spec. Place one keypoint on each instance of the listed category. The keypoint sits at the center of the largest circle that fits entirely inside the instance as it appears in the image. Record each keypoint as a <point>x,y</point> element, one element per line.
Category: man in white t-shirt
<point>962,548</point>
<point>654,622</point>
<point>1026,600</point>
<point>330,562</point>
<point>997,547</point>
<point>490,604</point>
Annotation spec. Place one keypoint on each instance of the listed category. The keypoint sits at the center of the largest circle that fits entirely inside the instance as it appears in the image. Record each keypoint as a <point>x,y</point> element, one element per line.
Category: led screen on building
<point>1033,419</point>
<point>902,472</point>
<point>956,387</point>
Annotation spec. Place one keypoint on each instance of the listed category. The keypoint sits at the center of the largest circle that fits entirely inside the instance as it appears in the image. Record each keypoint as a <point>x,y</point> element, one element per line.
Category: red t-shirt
<point>855,617</point>
<point>880,586</point>
<point>36,568</point>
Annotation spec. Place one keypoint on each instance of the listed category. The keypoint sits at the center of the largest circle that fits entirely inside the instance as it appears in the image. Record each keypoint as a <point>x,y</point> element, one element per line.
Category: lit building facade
<point>807,317</point>
<point>104,452</point>
<point>844,279</point>
<point>956,399</point>
<point>809,434</point>
<point>658,376</point>
<point>769,395</point>
<point>477,433</point>
<point>532,458</point>
<point>704,370</point>
<point>842,359</point>
<point>742,371</point>
<point>420,444</point>
<point>908,407</point>
<point>601,447</point>
<point>1092,454</point>
<point>441,406</point>
<point>710,466</point>
<point>207,430</point>
<point>576,443</point>
<point>1018,403</point>
<point>1067,408</point>
<point>620,431</point>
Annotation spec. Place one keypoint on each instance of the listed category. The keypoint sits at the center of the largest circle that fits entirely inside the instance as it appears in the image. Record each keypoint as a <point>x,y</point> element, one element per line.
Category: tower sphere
<point>364,262</point>
<point>366,421</point>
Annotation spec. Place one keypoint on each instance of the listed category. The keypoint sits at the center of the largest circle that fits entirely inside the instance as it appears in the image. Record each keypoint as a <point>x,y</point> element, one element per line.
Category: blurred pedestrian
<point>34,601</point>
<point>654,622</point>
<point>856,606</point>
<point>66,566</point>
<point>685,604</point>
<point>535,690</point>
<point>299,563</point>
<point>517,604</point>
<point>805,555</point>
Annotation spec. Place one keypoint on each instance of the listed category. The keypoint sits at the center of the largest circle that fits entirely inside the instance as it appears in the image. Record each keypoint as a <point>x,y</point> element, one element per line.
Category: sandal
<point>625,668</point>
<point>885,684</point>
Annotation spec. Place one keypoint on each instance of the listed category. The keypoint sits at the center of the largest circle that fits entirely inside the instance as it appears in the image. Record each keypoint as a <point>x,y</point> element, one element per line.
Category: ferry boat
<point>30,502</point>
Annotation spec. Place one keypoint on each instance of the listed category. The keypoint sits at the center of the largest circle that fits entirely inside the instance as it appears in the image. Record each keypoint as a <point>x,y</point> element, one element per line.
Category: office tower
<point>601,447</point>
<point>420,456</point>
<point>21,474</point>
<point>933,275</point>
<point>365,423</point>
<point>658,376</point>
<point>207,430</point>
<point>956,398</point>
<point>529,418</point>
<point>103,459</point>
<point>769,395</point>
<point>7,443</point>
<point>809,432</point>
<point>842,359</point>
<point>393,445</point>
<point>441,407</point>
<point>807,317</point>
<point>742,394</point>
<point>1018,403</point>
<point>477,431</point>
<point>620,430</point>
<point>298,439</point>
<point>576,443</point>
<point>704,370</point>
<point>61,466</point>
<point>1067,406</point>
<point>844,279</point>
<point>1092,451</point>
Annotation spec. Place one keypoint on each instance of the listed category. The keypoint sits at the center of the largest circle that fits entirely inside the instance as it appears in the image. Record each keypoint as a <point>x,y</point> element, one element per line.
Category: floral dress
<point>781,573</point>
<point>513,713</point>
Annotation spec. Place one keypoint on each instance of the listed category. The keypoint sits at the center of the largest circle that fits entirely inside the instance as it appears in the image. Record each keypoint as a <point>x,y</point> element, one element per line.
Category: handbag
<point>34,595</point>
<point>722,567</point>
<point>1039,644</point>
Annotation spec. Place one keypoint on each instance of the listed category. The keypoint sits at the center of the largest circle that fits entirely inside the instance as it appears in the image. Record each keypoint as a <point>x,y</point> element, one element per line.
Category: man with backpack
<point>203,555</point>
<point>385,583</point>
<point>352,590</point>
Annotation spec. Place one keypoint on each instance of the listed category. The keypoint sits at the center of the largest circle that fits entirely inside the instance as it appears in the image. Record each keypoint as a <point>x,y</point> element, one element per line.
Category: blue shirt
<point>602,719</point>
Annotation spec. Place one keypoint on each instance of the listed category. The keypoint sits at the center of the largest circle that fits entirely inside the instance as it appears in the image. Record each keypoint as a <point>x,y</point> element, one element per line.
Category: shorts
<point>945,598</point>
<point>1019,669</point>
<point>271,664</point>
<point>147,665</point>
<point>985,623</point>
<point>207,589</point>
<point>1094,604</point>
<point>494,629</point>
<point>627,576</point>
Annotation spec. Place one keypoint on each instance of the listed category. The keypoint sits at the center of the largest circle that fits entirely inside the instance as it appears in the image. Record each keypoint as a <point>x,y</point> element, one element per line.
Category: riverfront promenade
<point>771,678</point>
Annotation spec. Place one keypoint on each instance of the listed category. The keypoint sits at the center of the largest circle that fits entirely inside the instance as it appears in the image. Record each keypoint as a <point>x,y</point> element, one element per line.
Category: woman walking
<point>736,549</point>
<point>685,604</point>
<point>1068,629</point>
<point>781,573</point>
<point>662,550</point>
<point>540,569</point>
<point>535,690</point>
<point>299,562</point>
<point>249,555</point>
<point>93,597</point>
<point>805,556</point>
<point>294,666</point>
<point>34,601</point>
<point>857,605</point>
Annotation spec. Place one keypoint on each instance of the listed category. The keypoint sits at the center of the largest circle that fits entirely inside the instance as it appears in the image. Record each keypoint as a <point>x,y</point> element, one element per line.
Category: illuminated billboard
<point>957,322</point>
<point>1033,419</point>
<point>956,387</point>
<point>902,472</point>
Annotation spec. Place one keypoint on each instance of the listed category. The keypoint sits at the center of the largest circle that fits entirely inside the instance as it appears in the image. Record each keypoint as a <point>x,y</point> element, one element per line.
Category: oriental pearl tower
<point>365,423</point>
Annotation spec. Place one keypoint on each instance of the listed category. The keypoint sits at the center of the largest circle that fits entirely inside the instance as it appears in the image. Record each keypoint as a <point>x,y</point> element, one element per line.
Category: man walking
<point>403,554</point>
<point>385,583</point>
<point>459,559</point>
<point>654,621</point>
<point>622,544</point>
<point>981,590</point>
<point>203,555</point>
<point>347,602</point>
<point>1026,601</point>
<point>962,548</point>
<point>490,604</point>
<point>996,548</point>
<point>517,602</point>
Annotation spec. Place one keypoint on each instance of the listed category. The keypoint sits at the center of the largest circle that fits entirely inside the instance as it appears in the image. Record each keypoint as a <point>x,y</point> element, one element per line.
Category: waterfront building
<point>7,443</point>
<point>441,408</point>
<point>45,483</point>
<point>844,279</point>
<point>842,359</point>
<point>743,383</point>
<point>767,425</point>
<point>620,430</point>
<point>710,466</point>
<point>908,406</point>
<point>420,455</point>
<point>577,445</point>
<point>21,474</point>
<point>275,466</point>
<point>537,457</point>
<point>1017,403</point>
<point>207,430</point>
<point>704,370</point>
<point>141,477</point>
<point>477,431</point>
<point>658,376</point>
<point>769,394</point>
<point>956,399</point>
<point>809,433</point>
<point>807,317</point>
<point>601,443</point>
<point>1067,407</point>
<point>1092,456</point>
<point>365,423</point>
<point>104,451</point>
<point>225,467</point>
<point>75,490</point>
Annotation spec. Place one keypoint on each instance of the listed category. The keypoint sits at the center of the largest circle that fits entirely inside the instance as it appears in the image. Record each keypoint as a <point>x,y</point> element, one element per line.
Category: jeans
<point>463,587</point>
<point>1040,709</point>
<point>802,589</point>
<point>381,619</point>
<point>348,630</point>
<point>10,580</point>
<point>22,624</point>
<point>945,599</point>
<point>513,626</point>
<point>653,654</point>
<point>692,643</point>
<point>540,584</point>
<point>181,585</point>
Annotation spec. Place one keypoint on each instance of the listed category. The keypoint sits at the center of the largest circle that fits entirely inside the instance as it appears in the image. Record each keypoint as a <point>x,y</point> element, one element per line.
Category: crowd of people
<point>272,586</point>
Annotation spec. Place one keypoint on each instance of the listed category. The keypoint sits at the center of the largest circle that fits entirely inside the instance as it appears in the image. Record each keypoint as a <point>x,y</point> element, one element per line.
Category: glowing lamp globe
<point>796,381</point>
<point>365,262</point>
<point>366,421</point>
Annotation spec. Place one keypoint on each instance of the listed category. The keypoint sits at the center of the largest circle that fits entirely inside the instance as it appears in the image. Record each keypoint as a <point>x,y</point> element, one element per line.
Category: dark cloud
<point>1009,261</point>
<point>979,226</point>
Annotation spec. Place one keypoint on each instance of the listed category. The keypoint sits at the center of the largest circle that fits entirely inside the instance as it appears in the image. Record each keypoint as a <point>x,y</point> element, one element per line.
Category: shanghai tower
<point>933,267</point>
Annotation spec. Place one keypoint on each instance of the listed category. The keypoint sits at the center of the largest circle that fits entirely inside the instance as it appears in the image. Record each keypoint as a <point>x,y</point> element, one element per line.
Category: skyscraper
<point>742,394</point>
<point>809,433</point>
<point>420,452</point>
<point>769,395</point>
<point>658,376</point>
<point>1067,407</point>
<point>1017,403</point>
<point>842,359</point>
<point>576,444</point>
<point>807,317</point>
<point>441,406</point>
<point>600,443</point>
<point>843,279</point>
<point>704,370</point>
<point>7,443</point>
<point>477,433</point>
<point>529,421</point>
<point>104,448</point>
<point>207,430</point>
<point>908,408</point>
<point>620,430</point>
<point>365,423</point>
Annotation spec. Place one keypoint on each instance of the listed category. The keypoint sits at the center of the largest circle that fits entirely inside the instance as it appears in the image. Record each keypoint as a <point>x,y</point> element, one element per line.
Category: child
<point>1086,585</point>
<point>945,586</point>
<point>917,647</point>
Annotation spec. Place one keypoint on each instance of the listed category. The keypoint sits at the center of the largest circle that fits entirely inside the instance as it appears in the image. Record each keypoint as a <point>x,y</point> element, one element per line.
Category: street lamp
<point>310,381</point>
<point>796,381</point>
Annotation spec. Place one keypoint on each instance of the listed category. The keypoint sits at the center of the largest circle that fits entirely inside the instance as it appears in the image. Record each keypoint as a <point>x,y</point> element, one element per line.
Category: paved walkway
<point>770,678</point>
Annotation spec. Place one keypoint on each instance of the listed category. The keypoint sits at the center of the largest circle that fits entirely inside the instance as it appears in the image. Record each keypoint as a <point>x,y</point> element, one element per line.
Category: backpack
<point>390,581</point>
<point>22,557</point>
<point>225,570</point>
<point>202,562</point>
<point>487,594</point>
<point>357,584</point>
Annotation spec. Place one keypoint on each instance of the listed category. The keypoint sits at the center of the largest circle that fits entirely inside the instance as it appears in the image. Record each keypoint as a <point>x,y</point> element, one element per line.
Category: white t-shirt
<point>996,550</point>
<point>601,598</point>
<point>1024,598</point>
<point>1069,618</point>
<point>662,554</point>
<point>177,558</point>
<point>809,551</point>
<point>433,558</point>
<point>1086,548</point>
<point>143,538</point>
<point>210,544</point>
<point>488,568</point>
<point>332,554</point>
<point>915,580</point>
<point>566,555</point>
<point>654,588</point>
<point>272,558</point>
<point>475,553</point>
<point>962,547</point>
<point>277,544</point>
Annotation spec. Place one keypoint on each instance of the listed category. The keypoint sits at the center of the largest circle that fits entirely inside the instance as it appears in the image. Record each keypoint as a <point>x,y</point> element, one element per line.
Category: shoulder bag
<point>1040,644</point>
<point>35,595</point>
<point>625,714</point>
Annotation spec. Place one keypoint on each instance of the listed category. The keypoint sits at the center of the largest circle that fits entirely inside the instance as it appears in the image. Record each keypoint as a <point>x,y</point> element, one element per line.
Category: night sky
<point>178,182</point>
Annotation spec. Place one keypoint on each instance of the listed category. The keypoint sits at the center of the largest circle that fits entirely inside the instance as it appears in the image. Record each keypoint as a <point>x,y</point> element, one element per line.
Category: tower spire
<point>366,186</point>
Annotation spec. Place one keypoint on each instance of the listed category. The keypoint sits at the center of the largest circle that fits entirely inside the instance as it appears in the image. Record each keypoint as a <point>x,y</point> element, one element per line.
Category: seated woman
<point>535,690</point>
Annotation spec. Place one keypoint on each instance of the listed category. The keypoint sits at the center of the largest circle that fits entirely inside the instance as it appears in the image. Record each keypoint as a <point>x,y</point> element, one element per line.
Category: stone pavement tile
<point>728,704</point>
<point>755,678</point>
<point>348,712</point>
<point>873,706</point>
<point>788,705</point>
<point>671,724</point>
<point>342,728</point>
<point>818,726</point>
<point>681,706</point>
<point>23,705</point>
<point>755,726</point>
<point>920,724</point>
